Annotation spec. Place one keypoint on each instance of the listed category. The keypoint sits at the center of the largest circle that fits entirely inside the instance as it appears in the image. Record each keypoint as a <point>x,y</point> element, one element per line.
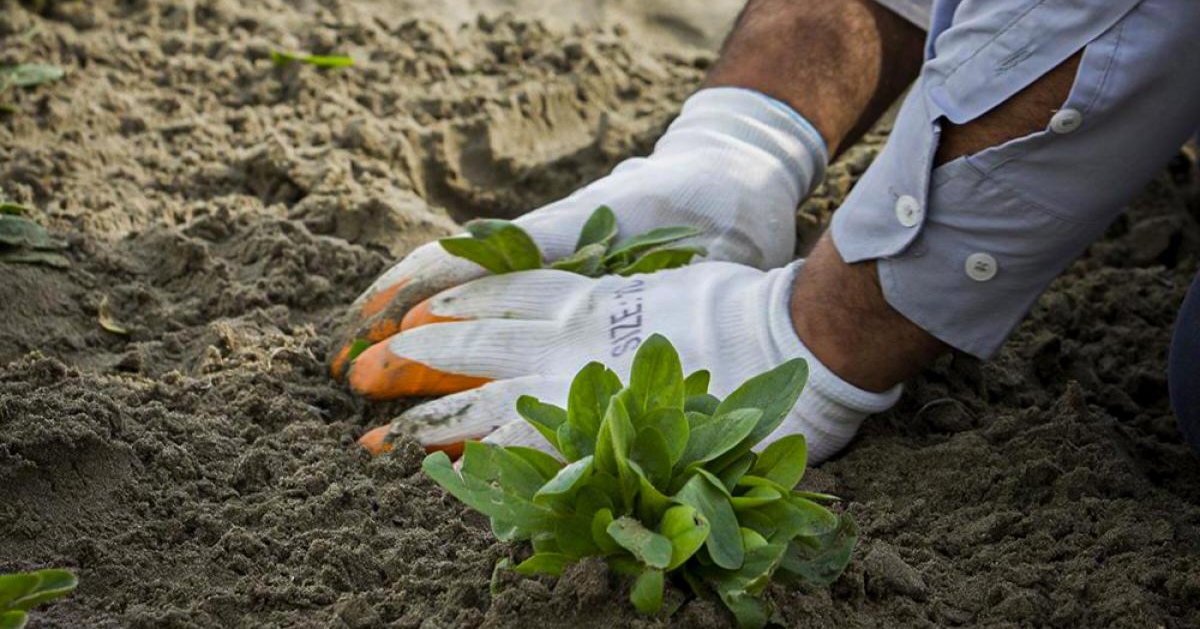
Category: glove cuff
<point>760,121</point>
<point>822,382</point>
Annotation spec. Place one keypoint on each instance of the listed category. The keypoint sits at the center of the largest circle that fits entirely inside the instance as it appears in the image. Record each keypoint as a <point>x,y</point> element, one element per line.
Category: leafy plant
<point>503,247</point>
<point>22,591</point>
<point>281,58</point>
<point>661,480</point>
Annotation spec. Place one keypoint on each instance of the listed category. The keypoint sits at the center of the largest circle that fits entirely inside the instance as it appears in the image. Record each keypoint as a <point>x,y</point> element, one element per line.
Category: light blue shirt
<point>966,248</point>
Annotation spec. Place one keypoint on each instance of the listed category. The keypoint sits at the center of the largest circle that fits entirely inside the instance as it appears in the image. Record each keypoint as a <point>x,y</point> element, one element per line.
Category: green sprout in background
<point>661,480</point>
<point>281,58</point>
<point>22,591</point>
<point>502,247</point>
<point>27,75</point>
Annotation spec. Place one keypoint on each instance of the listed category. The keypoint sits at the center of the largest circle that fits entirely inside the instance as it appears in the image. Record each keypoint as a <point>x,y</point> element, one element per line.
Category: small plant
<point>661,480</point>
<point>502,247</point>
<point>281,58</point>
<point>24,241</point>
<point>27,75</point>
<point>22,591</point>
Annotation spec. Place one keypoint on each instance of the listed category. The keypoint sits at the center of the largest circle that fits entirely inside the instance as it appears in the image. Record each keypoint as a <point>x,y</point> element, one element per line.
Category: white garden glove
<point>735,163</point>
<point>530,332</point>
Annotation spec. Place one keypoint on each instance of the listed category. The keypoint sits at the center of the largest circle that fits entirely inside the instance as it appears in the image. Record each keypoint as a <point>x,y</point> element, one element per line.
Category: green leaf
<point>600,523</point>
<point>547,466</point>
<point>614,439</point>
<point>15,586</point>
<point>18,231</point>
<point>661,260</point>
<point>574,536</point>
<point>673,426</point>
<point>13,209</point>
<point>648,240</point>
<point>758,522</point>
<point>544,563</point>
<point>704,404</point>
<point>652,455</point>
<point>545,542</point>
<point>710,440</point>
<point>478,251</point>
<point>358,347</point>
<point>783,461</point>
<point>495,463</point>
<point>756,497</point>
<point>648,547</point>
<point>14,619</point>
<point>512,243</point>
<point>696,383</point>
<point>587,403</point>
<point>741,590</point>
<point>587,261</point>
<point>600,229</point>
<point>30,74</point>
<point>822,559</point>
<point>687,529</point>
<point>798,517</point>
<point>647,591</point>
<point>281,58</point>
<point>559,490</point>
<point>591,498</point>
<point>488,495</point>
<point>774,393</point>
<point>546,418</point>
<point>51,584</point>
<point>724,543</point>
<point>656,378</point>
<point>651,503</point>
<point>613,444</point>
<point>733,471</point>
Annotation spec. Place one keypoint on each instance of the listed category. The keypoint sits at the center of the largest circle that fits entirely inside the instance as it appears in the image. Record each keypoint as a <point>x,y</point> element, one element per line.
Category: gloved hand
<point>735,163</point>
<point>530,332</point>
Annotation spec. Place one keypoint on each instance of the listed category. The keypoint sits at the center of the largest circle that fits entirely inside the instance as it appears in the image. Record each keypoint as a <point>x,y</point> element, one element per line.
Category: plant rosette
<point>662,480</point>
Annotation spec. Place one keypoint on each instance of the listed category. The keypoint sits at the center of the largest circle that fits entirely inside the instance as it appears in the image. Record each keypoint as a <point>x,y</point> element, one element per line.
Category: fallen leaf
<point>106,318</point>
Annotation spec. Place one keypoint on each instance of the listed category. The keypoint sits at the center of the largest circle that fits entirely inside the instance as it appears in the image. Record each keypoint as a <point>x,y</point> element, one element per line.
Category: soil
<point>200,471</point>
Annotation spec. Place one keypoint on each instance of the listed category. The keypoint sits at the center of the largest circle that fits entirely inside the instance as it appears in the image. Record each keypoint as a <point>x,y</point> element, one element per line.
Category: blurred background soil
<point>201,470</point>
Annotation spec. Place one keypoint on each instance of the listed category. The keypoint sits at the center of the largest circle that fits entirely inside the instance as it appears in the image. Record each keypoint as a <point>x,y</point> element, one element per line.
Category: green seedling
<point>22,591</point>
<point>24,241</point>
<point>660,478</point>
<point>502,247</point>
<point>27,75</point>
<point>280,59</point>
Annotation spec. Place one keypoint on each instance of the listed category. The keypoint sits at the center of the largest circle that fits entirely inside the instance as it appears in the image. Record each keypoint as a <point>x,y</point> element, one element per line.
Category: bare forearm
<point>840,64</point>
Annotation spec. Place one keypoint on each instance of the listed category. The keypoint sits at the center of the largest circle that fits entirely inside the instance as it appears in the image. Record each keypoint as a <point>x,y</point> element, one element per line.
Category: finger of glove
<point>450,357</point>
<point>531,295</point>
<point>446,423</point>
<point>378,312</point>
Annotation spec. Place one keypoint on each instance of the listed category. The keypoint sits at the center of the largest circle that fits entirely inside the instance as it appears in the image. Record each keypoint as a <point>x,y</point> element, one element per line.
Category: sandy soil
<point>201,472</point>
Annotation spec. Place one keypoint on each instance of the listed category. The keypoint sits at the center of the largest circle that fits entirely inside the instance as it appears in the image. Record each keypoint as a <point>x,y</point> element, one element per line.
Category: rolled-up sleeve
<point>964,249</point>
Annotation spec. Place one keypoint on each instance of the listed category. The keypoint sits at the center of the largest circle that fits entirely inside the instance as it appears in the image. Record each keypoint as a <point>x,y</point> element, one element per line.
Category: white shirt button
<point>909,211</point>
<point>1066,121</point>
<point>981,267</point>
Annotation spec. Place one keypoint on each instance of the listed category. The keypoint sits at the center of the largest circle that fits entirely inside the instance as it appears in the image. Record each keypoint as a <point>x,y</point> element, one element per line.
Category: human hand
<point>492,340</point>
<point>734,165</point>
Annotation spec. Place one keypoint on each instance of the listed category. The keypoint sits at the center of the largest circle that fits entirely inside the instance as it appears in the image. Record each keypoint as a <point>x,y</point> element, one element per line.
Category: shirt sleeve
<point>964,249</point>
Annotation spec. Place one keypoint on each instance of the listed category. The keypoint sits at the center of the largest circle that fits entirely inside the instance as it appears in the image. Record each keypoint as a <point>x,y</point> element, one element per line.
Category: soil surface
<point>200,471</point>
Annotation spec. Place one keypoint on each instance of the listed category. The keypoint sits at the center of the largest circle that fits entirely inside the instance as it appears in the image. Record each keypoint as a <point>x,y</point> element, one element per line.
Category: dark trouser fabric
<point>1185,367</point>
